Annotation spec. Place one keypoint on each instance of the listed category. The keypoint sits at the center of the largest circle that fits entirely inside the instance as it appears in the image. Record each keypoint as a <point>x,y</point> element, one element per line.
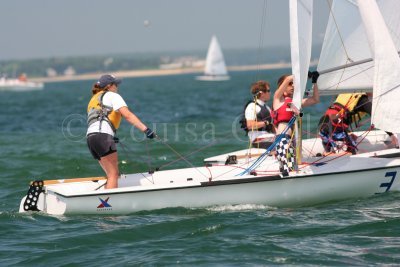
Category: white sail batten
<point>346,42</point>
<point>386,82</point>
<point>300,45</point>
<point>215,62</point>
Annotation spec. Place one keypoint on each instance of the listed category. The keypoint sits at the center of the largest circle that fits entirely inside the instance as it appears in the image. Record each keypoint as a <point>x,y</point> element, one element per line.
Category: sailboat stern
<point>33,201</point>
<point>40,199</point>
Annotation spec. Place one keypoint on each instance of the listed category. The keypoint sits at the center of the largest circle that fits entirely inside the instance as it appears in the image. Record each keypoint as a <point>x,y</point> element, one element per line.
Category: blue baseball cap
<point>108,79</point>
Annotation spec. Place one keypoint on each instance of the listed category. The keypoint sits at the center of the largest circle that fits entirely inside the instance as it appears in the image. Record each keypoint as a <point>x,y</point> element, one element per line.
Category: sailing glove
<point>314,76</point>
<point>149,133</point>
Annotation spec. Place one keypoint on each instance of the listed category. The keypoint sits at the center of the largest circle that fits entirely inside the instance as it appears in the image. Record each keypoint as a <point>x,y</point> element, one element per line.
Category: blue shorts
<point>101,145</point>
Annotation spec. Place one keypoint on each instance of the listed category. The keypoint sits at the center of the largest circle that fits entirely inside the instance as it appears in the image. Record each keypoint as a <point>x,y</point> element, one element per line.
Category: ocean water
<point>42,137</point>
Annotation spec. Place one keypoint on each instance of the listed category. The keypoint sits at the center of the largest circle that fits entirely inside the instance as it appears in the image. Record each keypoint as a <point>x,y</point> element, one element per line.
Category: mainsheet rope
<point>180,157</point>
<point>126,151</point>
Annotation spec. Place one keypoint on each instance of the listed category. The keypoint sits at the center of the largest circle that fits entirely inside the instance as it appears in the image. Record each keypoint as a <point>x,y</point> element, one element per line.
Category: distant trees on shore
<point>79,65</point>
<point>61,66</point>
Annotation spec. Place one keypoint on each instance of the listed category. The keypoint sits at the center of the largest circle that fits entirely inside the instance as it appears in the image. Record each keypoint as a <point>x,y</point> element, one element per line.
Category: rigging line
<point>337,28</point>
<point>364,135</point>
<point>347,65</point>
<point>231,170</point>
<point>353,114</point>
<point>125,150</point>
<point>234,168</point>
<point>341,115</point>
<point>324,157</point>
<point>210,178</point>
<point>148,155</point>
<point>263,157</point>
<point>177,153</point>
<point>330,153</point>
<point>238,166</point>
<point>348,78</point>
<point>193,152</point>
<point>187,155</point>
<point>261,37</point>
<point>255,115</point>
<point>149,161</point>
<point>100,186</point>
<point>388,91</point>
<point>309,151</point>
<point>352,64</point>
<point>378,97</point>
<point>317,137</point>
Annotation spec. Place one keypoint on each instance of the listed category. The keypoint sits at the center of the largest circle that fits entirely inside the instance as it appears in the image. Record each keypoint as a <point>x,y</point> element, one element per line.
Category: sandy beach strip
<point>156,72</point>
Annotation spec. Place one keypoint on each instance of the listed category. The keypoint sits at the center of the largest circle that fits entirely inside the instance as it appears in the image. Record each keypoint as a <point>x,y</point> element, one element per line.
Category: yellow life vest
<point>97,111</point>
<point>350,102</point>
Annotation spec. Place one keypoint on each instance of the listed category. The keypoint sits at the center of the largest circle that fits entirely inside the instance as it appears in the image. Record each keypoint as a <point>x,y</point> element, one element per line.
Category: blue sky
<point>52,28</point>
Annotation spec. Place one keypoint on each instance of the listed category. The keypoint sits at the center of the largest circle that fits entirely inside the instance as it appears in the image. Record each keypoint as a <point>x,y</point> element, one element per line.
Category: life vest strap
<point>101,114</point>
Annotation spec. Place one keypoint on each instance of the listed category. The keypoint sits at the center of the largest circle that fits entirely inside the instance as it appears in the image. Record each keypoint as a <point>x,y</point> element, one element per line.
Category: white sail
<point>345,42</point>
<point>215,69</point>
<point>300,45</point>
<point>215,62</point>
<point>386,82</point>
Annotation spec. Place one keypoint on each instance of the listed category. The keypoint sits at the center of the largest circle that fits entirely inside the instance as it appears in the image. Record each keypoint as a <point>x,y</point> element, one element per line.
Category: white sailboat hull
<point>17,85</point>
<point>319,180</point>
<point>213,78</point>
<point>276,192</point>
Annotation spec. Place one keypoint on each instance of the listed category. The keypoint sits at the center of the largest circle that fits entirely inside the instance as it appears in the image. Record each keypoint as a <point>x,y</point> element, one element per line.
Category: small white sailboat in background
<point>215,69</point>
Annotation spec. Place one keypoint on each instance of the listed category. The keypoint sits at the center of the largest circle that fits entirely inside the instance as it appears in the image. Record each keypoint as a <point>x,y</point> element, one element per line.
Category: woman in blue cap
<point>105,111</point>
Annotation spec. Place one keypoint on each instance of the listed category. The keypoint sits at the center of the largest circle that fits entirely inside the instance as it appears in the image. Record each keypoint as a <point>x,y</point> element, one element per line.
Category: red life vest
<point>338,115</point>
<point>284,113</point>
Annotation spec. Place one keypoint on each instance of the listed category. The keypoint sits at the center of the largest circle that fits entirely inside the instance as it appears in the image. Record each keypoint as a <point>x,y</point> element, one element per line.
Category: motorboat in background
<point>20,84</point>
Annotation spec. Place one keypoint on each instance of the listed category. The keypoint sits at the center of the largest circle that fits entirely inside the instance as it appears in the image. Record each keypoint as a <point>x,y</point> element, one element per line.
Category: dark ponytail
<point>96,88</point>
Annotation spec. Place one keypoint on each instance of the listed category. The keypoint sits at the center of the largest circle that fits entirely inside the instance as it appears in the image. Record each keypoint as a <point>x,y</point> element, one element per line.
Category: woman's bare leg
<point>109,164</point>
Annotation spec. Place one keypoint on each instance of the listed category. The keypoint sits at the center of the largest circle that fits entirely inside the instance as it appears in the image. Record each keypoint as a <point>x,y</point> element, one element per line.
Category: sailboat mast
<point>301,14</point>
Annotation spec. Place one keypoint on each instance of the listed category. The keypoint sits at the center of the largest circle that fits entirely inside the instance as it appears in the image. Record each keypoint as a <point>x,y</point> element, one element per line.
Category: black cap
<point>108,79</point>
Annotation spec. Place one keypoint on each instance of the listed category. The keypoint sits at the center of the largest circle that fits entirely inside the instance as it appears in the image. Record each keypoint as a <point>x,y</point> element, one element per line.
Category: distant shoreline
<point>157,72</point>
